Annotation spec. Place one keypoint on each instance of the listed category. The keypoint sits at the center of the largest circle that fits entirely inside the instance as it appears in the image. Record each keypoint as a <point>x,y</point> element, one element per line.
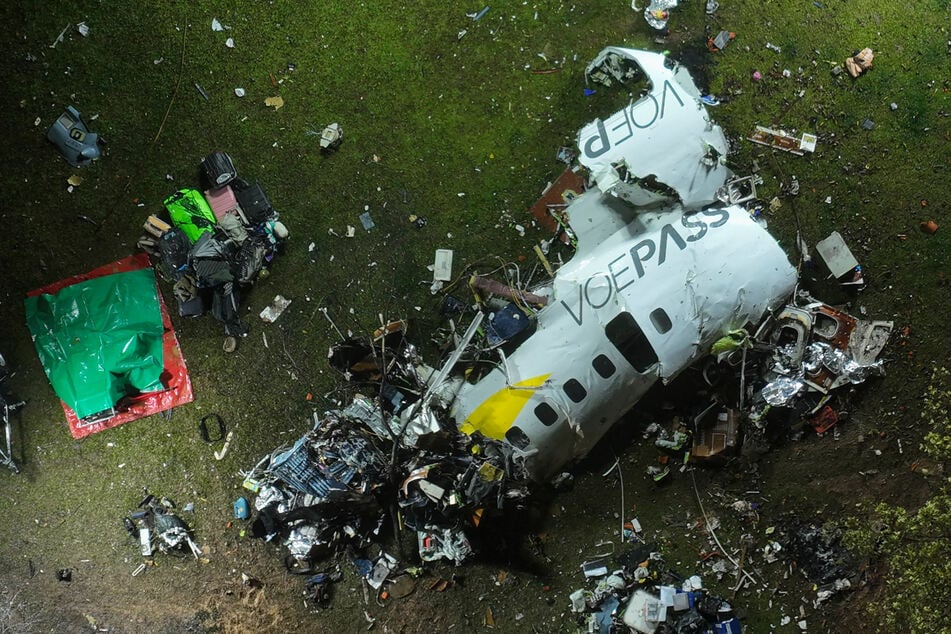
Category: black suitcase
<point>218,170</point>
<point>254,204</point>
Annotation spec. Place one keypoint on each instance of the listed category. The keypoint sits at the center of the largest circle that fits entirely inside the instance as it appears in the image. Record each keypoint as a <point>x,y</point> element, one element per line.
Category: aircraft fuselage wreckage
<point>662,270</point>
<point>651,286</point>
<point>669,268</point>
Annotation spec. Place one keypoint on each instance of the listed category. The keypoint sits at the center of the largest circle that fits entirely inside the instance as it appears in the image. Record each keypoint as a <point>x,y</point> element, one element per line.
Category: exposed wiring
<point>620,477</point>
<point>706,522</point>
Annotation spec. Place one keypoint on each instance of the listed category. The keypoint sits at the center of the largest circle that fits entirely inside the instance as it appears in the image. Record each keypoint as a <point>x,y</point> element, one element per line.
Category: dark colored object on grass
<point>6,408</point>
<point>72,138</point>
<point>218,169</point>
<point>173,248</point>
<point>203,427</point>
<point>254,203</point>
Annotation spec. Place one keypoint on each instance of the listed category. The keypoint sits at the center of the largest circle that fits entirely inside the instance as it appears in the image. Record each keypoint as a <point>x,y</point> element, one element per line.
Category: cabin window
<point>575,390</point>
<point>629,339</point>
<point>603,366</point>
<point>517,437</point>
<point>661,321</point>
<point>546,414</point>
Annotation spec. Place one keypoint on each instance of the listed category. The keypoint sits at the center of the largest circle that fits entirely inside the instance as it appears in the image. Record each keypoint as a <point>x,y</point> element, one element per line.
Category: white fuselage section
<point>644,297</point>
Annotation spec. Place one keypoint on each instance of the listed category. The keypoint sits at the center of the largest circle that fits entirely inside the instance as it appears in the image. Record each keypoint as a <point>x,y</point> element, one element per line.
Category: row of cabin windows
<point>624,333</point>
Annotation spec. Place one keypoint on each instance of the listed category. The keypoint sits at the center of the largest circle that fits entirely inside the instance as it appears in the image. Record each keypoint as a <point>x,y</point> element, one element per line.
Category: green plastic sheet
<point>100,340</point>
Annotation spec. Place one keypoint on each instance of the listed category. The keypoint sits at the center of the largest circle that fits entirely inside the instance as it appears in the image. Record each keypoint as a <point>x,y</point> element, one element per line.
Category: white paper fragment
<point>216,25</point>
<point>442,268</point>
<point>271,313</point>
<point>229,42</point>
<point>83,29</point>
<point>239,92</point>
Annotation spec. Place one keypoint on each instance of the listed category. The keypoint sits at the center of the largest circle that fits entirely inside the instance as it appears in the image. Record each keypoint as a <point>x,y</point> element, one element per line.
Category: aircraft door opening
<point>624,333</point>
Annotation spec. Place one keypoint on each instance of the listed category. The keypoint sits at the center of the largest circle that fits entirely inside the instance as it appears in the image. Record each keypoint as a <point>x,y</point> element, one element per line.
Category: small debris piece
<point>239,92</point>
<point>230,345</point>
<point>860,62</point>
<point>276,102</point>
<point>331,137</point>
<point>78,145</point>
<point>272,312</point>
<point>720,41</point>
<point>442,267</point>
<point>565,154</point>
<point>366,220</point>
<point>201,91</point>
<point>59,38</point>
<point>781,140</point>
<point>929,226</point>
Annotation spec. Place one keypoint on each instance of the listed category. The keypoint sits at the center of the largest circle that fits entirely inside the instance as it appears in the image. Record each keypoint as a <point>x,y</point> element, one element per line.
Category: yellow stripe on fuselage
<point>497,413</point>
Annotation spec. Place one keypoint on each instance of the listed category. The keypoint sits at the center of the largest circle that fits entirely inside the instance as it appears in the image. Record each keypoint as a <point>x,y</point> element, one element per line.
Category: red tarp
<point>178,387</point>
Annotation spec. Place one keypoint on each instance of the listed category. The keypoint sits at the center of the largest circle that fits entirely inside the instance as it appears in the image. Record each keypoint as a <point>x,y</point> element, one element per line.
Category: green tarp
<point>100,339</point>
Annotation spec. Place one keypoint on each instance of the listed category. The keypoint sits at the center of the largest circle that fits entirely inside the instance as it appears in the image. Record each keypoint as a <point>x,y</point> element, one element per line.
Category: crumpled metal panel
<point>665,135</point>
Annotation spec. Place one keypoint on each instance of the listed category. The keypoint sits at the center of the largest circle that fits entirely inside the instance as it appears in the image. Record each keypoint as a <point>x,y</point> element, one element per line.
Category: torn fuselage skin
<point>659,275</point>
<point>630,308</point>
<point>665,135</point>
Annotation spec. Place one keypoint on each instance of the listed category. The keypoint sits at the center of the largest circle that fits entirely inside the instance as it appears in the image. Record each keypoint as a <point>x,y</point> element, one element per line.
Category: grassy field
<point>457,128</point>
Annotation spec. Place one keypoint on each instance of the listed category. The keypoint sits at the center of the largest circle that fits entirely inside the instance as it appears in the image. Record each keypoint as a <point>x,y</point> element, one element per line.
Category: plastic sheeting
<point>100,339</point>
<point>152,372</point>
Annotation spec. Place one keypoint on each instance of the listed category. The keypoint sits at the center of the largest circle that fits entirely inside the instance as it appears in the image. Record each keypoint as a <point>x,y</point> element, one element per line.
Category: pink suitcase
<point>222,201</point>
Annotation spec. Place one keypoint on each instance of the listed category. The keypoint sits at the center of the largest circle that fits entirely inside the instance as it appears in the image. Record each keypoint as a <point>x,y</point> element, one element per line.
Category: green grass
<point>445,116</point>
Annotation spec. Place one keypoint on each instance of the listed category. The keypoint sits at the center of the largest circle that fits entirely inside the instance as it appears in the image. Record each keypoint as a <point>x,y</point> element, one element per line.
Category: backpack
<point>190,303</point>
<point>190,212</point>
<point>218,169</point>
<point>173,248</point>
<point>211,259</point>
<point>250,259</point>
<point>254,204</point>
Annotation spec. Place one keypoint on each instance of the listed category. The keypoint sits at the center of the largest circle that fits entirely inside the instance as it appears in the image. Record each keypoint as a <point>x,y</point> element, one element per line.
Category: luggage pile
<point>216,243</point>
